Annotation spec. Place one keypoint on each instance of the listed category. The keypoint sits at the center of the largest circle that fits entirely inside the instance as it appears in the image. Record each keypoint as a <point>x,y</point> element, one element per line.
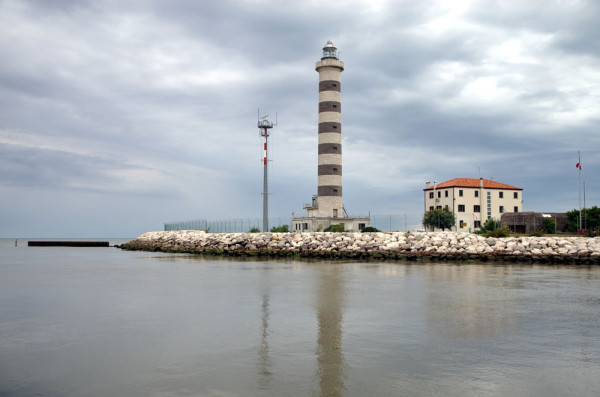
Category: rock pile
<point>394,245</point>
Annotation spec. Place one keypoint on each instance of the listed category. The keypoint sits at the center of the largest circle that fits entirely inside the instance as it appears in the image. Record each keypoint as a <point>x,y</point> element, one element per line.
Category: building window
<point>439,194</point>
<point>361,226</point>
<point>516,195</point>
<point>460,193</point>
<point>501,194</point>
<point>476,193</point>
<point>446,193</point>
<point>446,208</point>
<point>460,224</point>
<point>439,207</point>
<point>516,209</point>
<point>430,194</point>
<point>477,224</point>
<point>305,226</point>
<point>461,208</point>
<point>476,208</point>
<point>502,209</point>
<point>431,208</point>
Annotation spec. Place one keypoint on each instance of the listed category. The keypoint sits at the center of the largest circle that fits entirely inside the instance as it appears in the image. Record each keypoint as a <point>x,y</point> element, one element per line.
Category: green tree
<point>590,219</point>
<point>280,229</point>
<point>254,230</point>
<point>441,219</point>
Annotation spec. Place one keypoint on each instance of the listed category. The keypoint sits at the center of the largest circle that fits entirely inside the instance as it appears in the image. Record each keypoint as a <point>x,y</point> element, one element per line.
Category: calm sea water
<point>106,322</point>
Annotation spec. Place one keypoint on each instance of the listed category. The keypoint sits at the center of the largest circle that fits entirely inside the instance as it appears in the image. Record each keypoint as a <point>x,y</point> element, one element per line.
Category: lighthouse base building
<point>327,207</point>
<point>315,224</point>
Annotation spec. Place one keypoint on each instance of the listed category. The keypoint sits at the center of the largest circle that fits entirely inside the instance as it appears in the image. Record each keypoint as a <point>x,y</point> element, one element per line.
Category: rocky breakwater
<point>411,246</point>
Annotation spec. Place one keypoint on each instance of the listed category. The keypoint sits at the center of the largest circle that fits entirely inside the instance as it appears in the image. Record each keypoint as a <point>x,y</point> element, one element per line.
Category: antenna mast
<point>264,125</point>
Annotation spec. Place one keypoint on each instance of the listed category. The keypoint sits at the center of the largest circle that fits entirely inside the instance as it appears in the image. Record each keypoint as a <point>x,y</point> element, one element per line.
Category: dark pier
<point>68,244</point>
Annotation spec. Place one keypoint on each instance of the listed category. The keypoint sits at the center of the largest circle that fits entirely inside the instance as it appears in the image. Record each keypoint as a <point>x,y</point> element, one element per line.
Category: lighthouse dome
<point>329,51</point>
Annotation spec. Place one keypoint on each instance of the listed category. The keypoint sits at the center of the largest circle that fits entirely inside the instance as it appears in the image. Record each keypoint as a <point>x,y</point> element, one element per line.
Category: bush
<point>491,228</point>
<point>280,229</point>
<point>254,230</point>
<point>593,232</point>
<point>549,226</point>
<point>370,229</point>
<point>490,225</point>
<point>334,228</point>
<point>503,231</point>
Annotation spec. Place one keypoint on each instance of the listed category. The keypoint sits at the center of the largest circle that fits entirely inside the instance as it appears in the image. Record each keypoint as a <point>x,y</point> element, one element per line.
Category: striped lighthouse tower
<point>329,201</point>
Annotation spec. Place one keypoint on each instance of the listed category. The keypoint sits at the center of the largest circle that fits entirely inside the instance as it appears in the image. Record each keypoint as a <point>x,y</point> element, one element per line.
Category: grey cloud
<point>170,90</point>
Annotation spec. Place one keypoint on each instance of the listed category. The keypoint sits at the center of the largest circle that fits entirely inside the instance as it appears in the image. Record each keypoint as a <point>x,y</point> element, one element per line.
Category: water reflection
<point>264,361</point>
<point>471,301</point>
<point>330,310</point>
<point>137,323</point>
<point>477,301</point>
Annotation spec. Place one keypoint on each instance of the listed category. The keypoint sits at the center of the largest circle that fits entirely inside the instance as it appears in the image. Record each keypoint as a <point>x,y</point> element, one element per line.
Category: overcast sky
<point>117,116</point>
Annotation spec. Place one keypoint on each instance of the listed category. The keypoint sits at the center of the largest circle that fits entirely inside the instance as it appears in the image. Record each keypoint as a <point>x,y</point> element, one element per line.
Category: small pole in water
<point>15,242</point>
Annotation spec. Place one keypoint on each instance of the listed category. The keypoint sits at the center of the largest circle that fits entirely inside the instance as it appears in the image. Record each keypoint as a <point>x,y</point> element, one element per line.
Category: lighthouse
<point>326,207</point>
<point>329,201</point>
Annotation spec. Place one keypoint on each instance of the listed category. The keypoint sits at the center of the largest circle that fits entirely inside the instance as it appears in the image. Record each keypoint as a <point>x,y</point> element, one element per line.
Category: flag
<point>578,165</point>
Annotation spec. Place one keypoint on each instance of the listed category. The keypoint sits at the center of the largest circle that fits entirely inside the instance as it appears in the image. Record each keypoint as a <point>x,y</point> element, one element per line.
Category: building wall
<point>319,224</point>
<point>464,205</point>
<point>529,222</point>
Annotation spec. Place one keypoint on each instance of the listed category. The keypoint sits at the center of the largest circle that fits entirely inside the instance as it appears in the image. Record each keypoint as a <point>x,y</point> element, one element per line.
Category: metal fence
<point>385,223</point>
<point>398,223</point>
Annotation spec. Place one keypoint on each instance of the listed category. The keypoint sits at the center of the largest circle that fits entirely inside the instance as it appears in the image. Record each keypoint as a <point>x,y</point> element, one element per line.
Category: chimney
<point>427,185</point>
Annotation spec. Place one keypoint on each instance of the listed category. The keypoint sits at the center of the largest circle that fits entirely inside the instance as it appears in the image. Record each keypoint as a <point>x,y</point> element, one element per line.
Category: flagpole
<point>579,173</point>
<point>584,207</point>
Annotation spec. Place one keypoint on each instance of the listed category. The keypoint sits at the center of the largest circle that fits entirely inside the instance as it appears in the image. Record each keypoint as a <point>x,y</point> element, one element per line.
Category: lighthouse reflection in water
<point>96,322</point>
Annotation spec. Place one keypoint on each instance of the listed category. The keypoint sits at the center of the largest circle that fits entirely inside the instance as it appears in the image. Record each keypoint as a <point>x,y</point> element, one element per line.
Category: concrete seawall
<point>394,245</point>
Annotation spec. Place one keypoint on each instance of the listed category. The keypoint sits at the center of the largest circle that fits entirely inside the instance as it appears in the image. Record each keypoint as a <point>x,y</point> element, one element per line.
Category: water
<point>101,321</point>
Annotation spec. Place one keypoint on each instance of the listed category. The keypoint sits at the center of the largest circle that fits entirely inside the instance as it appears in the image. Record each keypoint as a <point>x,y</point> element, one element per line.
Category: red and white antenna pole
<point>265,150</point>
<point>264,125</point>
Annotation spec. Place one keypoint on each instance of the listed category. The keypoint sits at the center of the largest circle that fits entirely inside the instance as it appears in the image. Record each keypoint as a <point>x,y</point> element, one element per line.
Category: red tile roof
<point>473,183</point>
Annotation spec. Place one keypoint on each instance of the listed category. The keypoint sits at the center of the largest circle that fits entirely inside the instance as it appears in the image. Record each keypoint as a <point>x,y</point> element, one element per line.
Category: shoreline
<point>409,246</point>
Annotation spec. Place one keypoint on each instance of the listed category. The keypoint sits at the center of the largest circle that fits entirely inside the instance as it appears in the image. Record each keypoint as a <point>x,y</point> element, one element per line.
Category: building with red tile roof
<point>472,200</point>
<point>473,183</point>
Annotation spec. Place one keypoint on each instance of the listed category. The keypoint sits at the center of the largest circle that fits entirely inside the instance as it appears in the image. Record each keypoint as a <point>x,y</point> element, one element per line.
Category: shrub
<point>549,226</point>
<point>334,228</point>
<point>280,229</point>
<point>491,228</point>
<point>254,230</point>
<point>490,225</point>
<point>370,229</point>
<point>593,232</point>
<point>503,231</point>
